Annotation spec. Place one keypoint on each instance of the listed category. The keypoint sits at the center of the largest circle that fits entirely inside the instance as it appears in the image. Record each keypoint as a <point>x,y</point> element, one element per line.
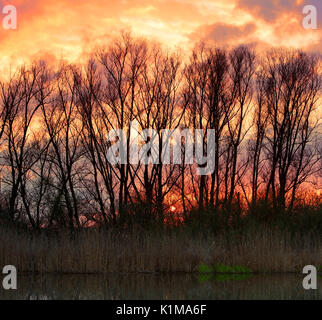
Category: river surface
<point>162,287</point>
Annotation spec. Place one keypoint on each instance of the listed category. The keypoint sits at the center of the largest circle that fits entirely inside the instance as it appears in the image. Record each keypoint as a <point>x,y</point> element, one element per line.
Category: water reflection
<point>151,286</point>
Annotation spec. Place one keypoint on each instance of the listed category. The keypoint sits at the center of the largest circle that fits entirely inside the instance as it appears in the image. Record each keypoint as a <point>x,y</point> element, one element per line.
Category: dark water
<point>162,287</point>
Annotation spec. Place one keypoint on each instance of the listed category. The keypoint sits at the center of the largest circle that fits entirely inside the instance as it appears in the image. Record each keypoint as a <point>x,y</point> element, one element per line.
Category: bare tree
<point>292,86</point>
<point>63,128</point>
<point>159,108</point>
<point>23,150</point>
<point>122,62</point>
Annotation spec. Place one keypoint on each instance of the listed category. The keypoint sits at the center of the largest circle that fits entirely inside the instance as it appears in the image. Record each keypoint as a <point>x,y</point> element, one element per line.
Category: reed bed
<point>101,252</point>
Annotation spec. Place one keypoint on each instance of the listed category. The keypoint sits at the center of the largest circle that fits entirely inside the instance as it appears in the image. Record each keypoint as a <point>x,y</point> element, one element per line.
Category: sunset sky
<point>67,29</point>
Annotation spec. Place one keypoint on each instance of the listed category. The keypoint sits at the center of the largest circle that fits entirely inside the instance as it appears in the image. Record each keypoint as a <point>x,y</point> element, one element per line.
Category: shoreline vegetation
<point>73,201</point>
<point>246,244</point>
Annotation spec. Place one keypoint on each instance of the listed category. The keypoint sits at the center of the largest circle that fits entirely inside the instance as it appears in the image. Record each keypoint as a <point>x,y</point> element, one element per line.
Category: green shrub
<point>203,268</point>
<point>221,268</point>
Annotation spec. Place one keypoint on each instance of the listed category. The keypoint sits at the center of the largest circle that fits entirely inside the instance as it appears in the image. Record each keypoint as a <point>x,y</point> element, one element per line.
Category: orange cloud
<point>66,29</point>
<point>223,33</point>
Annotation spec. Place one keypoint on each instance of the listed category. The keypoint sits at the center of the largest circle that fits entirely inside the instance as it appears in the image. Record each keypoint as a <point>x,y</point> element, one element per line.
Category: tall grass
<point>176,250</point>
